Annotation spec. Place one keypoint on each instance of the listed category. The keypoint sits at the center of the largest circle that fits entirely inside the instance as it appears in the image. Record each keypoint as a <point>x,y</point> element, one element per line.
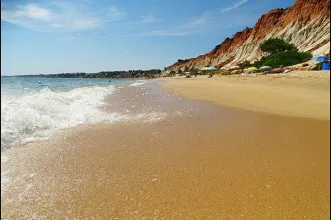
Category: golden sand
<point>213,163</point>
<point>301,94</point>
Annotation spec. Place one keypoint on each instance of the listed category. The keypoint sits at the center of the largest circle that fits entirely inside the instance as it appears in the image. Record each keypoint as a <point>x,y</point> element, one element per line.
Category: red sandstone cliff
<point>306,24</point>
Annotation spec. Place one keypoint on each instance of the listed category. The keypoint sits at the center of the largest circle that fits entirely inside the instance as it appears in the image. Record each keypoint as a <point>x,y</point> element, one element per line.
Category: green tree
<point>194,71</point>
<point>274,45</point>
<point>286,58</point>
<point>281,53</point>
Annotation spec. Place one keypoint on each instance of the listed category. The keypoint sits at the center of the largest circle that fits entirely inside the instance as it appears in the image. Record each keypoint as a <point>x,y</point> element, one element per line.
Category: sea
<point>35,108</point>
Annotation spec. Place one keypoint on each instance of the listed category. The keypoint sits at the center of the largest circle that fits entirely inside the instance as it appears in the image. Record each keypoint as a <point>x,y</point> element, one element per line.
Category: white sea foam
<point>150,117</point>
<point>139,83</point>
<point>40,114</point>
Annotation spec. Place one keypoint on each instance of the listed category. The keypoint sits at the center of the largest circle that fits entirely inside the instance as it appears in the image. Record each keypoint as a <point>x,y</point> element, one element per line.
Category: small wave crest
<point>42,113</point>
<point>139,83</point>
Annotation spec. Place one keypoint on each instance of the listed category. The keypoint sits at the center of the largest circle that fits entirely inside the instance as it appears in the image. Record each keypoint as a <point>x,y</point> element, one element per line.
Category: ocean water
<point>34,108</point>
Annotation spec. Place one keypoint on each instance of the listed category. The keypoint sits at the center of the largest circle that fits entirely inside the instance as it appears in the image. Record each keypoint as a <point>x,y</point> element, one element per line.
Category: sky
<point>44,37</point>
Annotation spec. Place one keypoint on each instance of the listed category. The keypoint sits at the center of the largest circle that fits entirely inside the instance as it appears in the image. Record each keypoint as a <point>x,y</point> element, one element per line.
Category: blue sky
<point>95,35</point>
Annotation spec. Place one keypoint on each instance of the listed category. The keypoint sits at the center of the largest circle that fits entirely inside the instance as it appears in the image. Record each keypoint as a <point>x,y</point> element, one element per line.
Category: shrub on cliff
<point>281,53</point>
<point>286,58</point>
<point>183,61</point>
<point>187,69</point>
<point>194,70</point>
<point>275,45</point>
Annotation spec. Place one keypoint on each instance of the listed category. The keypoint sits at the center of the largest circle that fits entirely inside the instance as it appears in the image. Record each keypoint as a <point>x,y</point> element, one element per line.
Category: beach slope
<point>300,94</point>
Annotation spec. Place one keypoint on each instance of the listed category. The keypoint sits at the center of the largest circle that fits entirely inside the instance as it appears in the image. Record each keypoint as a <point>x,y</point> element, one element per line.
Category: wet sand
<point>200,162</point>
<point>298,93</point>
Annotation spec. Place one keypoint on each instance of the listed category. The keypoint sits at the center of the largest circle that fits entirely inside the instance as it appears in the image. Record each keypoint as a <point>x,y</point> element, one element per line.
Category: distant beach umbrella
<point>211,68</point>
<point>253,68</point>
<point>320,58</point>
<point>265,68</point>
<point>234,68</point>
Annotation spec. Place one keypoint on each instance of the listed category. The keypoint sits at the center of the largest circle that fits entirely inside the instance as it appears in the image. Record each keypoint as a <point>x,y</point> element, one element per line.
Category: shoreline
<point>209,162</point>
<point>296,94</point>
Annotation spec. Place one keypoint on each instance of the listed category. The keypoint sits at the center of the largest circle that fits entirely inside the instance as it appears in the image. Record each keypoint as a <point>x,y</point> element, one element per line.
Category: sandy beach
<point>201,161</point>
<point>104,115</point>
<point>300,94</point>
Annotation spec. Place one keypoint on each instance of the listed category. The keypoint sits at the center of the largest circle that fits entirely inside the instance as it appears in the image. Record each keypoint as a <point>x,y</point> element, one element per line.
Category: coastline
<point>299,93</point>
<point>208,162</point>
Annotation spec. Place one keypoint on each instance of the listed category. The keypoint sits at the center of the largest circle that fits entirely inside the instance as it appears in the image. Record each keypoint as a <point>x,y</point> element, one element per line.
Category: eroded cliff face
<point>306,24</point>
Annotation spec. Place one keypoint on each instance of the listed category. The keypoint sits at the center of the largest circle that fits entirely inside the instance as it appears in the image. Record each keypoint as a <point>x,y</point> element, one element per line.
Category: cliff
<point>306,24</point>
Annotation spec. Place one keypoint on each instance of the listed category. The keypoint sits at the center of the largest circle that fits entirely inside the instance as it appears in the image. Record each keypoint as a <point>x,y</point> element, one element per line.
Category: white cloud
<point>59,16</point>
<point>25,14</point>
<point>33,11</point>
<point>115,13</point>
<point>208,20</point>
<point>185,28</point>
<point>234,6</point>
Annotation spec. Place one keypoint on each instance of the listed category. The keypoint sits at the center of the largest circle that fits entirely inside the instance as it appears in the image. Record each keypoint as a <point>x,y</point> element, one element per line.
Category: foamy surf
<point>42,113</point>
<point>139,83</point>
<point>39,115</point>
